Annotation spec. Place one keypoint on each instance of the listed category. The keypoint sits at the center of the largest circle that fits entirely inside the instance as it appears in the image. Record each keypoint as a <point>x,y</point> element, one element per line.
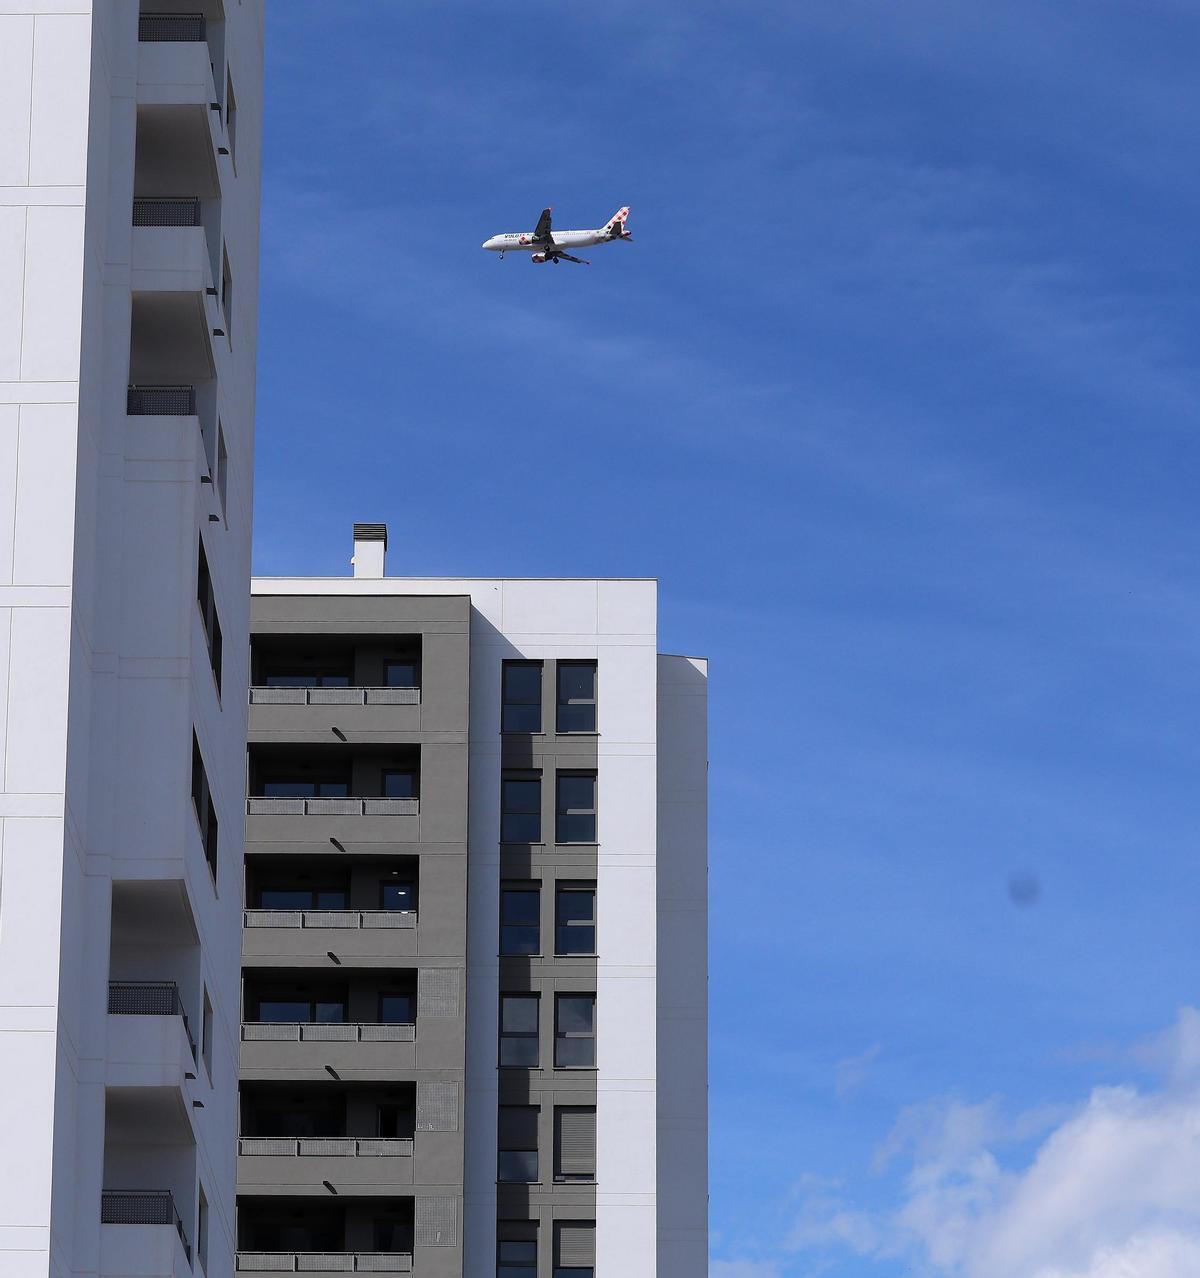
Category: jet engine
<point>538,257</point>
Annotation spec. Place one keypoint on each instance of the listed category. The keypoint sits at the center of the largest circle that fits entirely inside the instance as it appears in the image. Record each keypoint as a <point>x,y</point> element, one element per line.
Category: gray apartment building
<point>473,1037</point>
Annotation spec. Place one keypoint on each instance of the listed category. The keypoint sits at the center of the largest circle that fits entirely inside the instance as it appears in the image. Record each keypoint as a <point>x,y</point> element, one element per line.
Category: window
<point>575,1143</point>
<point>517,1257</point>
<point>519,1030</point>
<point>575,919</point>
<point>285,894</point>
<point>576,696</point>
<point>521,809</point>
<point>286,1004</point>
<point>284,677</point>
<point>396,1008</point>
<point>222,472</point>
<point>393,1121</point>
<point>313,787</point>
<point>575,1031</point>
<point>397,895</point>
<point>206,598</point>
<point>231,118</point>
<point>202,1231</point>
<point>227,293</point>
<point>401,674</point>
<point>399,784</point>
<point>521,683</point>
<point>518,1143</point>
<point>575,820</point>
<point>574,1249</point>
<point>520,929</point>
<point>206,1035</point>
<point>206,813</point>
<point>391,1234</point>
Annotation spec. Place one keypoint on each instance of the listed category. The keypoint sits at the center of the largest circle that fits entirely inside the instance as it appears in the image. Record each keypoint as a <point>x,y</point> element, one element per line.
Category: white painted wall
<point>102,664</point>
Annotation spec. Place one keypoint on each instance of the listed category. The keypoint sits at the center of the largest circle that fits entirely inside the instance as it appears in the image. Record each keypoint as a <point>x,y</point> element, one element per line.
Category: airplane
<point>548,245</point>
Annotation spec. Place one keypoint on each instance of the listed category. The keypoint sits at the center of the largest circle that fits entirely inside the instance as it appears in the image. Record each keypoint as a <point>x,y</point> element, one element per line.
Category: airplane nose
<point>487,244</point>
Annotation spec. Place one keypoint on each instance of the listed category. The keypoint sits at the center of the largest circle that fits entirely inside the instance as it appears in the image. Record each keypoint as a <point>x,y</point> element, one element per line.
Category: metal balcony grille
<point>324,1147</point>
<point>326,1032</point>
<point>161,401</point>
<point>142,1207</point>
<point>331,918</point>
<point>335,696</point>
<point>307,1262</point>
<point>258,805</point>
<point>144,998</point>
<point>170,28</point>
<point>166,212</point>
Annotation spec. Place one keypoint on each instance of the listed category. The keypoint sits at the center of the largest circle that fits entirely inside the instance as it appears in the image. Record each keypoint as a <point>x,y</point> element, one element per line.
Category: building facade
<point>474,968</point>
<point>129,195</point>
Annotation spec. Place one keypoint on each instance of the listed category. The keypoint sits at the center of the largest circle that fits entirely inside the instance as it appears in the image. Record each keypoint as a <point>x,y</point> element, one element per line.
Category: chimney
<point>370,549</point>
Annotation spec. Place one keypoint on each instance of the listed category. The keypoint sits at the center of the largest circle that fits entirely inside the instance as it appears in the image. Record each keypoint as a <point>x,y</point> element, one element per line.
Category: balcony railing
<point>161,401</point>
<point>142,1207</point>
<point>325,1147</point>
<point>368,919</point>
<point>327,1032</point>
<point>335,696</point>
<point>259,805</point>
<point>335,1262</point>
<point>158,28</point>
<point>148,212</point>
<point>148,998</point>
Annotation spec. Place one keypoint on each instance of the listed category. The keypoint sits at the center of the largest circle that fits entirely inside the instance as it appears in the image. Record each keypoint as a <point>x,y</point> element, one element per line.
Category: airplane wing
<point>542,234</point>
<point>569,258</point>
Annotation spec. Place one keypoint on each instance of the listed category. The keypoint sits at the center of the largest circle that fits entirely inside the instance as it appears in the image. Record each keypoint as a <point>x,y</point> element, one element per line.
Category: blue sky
<point>896,393</point>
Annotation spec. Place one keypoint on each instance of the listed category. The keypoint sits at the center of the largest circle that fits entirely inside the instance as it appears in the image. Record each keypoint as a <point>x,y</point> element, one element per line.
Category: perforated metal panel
<point>437,1107</point>
<point>437,991</point>
<point>437,1222</point>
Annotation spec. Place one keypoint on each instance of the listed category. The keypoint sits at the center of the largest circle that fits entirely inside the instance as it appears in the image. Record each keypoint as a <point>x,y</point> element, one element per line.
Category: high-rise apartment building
<point>129,194</point>
<point>474,967</point>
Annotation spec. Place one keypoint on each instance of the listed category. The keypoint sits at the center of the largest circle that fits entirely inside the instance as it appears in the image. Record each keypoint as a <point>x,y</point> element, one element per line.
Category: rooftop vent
<point>370,549</point>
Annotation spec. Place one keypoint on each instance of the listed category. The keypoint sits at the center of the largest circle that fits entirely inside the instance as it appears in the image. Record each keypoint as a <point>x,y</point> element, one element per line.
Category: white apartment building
<point>129,196</point>
<point>475,958</point>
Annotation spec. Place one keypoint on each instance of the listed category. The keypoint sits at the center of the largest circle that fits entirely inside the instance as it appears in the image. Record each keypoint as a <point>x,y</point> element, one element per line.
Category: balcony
<point>160,401</point>
<point>143,1207</point>
<point>324,1032</point>
<point>339,919</point>
<point>369,1165</point>
<point>171,28</point>
<point>323,1264</point>
<point>295,805</point>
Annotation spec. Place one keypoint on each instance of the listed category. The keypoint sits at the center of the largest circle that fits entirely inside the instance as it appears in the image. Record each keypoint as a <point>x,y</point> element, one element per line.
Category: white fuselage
<point>523,241</point>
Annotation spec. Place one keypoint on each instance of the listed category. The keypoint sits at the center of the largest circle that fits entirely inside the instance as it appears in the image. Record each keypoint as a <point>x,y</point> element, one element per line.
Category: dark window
<point>313,787</point>
<point>574,1249</point>
<point>394,1121</point>
<point>227,294</point>
<point>516,1258</point>
<point>206,1035</point>
<point>231,118</point>
<point>207,600</point>
<point>575,919</point>
<point>521,810</point>
<point>222,472</point>
<point>400,784</point>
<point>398,895</point>
<point>575,820</point>
<point>282,895</point>
<point>575,1143</point>
<point>206,813</point>
<point>575,1031</point>
<point>401,674</point>
<point>290,677</point>
<point>392,1235</point>
<point>518,1143</point>
<point>298,1003</point>
<point>519,1030</point>
<point>520,930</point>
<point>576,696</point>
<point>522,696</point>
<point>202,1231</point>
<point>396,1008</point>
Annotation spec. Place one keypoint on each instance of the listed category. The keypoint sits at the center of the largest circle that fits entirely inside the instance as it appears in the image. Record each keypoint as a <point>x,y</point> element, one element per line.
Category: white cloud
<point>850,1073</point>
<point>744,1269</point>
<point>1109,1192</point>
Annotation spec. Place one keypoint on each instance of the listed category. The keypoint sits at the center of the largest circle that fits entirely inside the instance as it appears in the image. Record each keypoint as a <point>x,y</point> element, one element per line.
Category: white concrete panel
<point>9,420</point>
<point>29,912</point>
<point>16,80</point>
<point>625,917</point>
<point>53,295</point>
<point>37,701</point>
<point>627,608</point>
<point>549,607</point>
<point>58,130</point>
<point>12,278</point>
<point>45,498</point>
<point>26,1112</point>
<point>625,709</point>
<point>625,805</point>
<point>625,1240</point>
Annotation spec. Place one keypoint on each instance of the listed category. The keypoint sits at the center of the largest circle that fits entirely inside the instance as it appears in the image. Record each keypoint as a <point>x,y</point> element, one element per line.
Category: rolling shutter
<point>575,1244</point>
<point>576,1139</point>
